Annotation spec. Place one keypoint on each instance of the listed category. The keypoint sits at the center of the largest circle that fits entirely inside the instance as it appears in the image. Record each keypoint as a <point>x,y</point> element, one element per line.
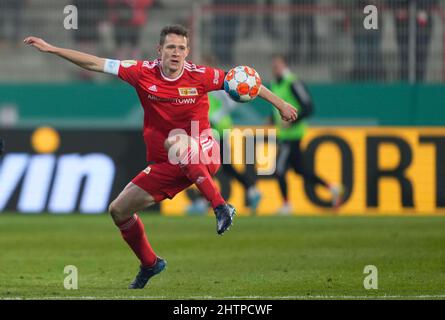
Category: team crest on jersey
<point>186,92</point>
<point>128,63</point>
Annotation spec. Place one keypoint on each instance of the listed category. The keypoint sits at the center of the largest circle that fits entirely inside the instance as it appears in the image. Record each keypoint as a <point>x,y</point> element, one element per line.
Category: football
<point>242,83</point>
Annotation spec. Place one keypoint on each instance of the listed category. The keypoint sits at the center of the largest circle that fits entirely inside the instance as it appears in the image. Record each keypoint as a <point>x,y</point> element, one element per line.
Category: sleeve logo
<point>216,77</point>
<point>128,63</point>
<point>147,170</point>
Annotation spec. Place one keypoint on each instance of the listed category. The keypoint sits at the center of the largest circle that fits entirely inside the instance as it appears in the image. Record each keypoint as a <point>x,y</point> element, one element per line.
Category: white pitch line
<point>304,297</point>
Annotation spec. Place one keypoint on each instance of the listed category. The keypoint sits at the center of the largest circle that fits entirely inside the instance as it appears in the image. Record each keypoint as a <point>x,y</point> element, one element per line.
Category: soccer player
<point>291,89</point>
<point>180,148</point>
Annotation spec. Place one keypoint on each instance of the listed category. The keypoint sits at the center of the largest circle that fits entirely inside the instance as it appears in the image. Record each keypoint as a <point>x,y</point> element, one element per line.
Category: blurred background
<point>378,126</point>
<point>323,39</point>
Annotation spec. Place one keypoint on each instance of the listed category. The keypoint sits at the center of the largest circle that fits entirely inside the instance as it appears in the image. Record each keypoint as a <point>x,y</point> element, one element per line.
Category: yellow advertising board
<point>384,170</point>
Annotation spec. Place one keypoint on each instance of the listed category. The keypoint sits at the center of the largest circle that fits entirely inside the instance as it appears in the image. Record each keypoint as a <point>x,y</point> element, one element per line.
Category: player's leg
<point>241,178</point>
<point>123,211</point>
<point>132,199</point>
<point>298,164</point>
<point>280,173</point>
<point>253,195</point>
<point>188,153</point>
<point>199,204</point>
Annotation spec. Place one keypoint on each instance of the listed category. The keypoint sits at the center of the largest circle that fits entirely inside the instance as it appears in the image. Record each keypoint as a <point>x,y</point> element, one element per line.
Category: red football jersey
<point>171,103</point>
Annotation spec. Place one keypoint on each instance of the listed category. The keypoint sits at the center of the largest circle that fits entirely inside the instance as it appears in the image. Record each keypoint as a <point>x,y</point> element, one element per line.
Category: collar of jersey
<point>169,79</point>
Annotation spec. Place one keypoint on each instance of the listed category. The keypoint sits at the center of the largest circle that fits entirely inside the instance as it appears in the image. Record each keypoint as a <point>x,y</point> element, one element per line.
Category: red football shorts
<point>165,180</point>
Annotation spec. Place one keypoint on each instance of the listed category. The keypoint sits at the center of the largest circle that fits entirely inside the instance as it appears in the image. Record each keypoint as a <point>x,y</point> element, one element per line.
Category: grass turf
<point>260,257</point>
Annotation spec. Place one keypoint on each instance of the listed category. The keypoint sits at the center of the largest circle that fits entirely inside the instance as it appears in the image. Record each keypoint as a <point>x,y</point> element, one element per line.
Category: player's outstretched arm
<point>287,111</point>
<point>83,60</point>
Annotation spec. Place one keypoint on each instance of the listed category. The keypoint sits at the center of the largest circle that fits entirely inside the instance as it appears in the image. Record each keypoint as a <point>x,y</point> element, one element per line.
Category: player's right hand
<point>38,43</point>
<point>288,112</point>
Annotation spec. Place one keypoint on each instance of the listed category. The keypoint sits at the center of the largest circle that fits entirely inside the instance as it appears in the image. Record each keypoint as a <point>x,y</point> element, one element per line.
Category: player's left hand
<point>40,44</point>
<point>288,112</point>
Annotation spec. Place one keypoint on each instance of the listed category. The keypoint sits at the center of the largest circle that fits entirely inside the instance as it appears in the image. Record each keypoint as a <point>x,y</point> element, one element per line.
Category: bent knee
<point>167,144</point>
<point>171,141</point>
<point>181,140</point>
<point>116,213</point>
<point>113,209</point>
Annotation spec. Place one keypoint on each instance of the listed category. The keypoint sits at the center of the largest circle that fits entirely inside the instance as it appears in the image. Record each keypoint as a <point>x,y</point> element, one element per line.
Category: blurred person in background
<point>268,20</point>
<point>302,32</point>
<point>266,9</point>
<point>368,60</point>
<point>221,107</point>
<point>128,17</point>
<point>225,26</point>
<point>424,26</point>
<point>91,14</point>
<point>289,135</point>
<point>11,21</point>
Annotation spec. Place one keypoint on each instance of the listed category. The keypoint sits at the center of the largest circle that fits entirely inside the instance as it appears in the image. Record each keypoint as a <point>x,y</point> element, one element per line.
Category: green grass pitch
<point>259,258</point>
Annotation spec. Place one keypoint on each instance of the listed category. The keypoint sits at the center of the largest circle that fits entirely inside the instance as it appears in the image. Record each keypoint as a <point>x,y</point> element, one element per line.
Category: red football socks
<point>200,176</point>
<point>133,233</point>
